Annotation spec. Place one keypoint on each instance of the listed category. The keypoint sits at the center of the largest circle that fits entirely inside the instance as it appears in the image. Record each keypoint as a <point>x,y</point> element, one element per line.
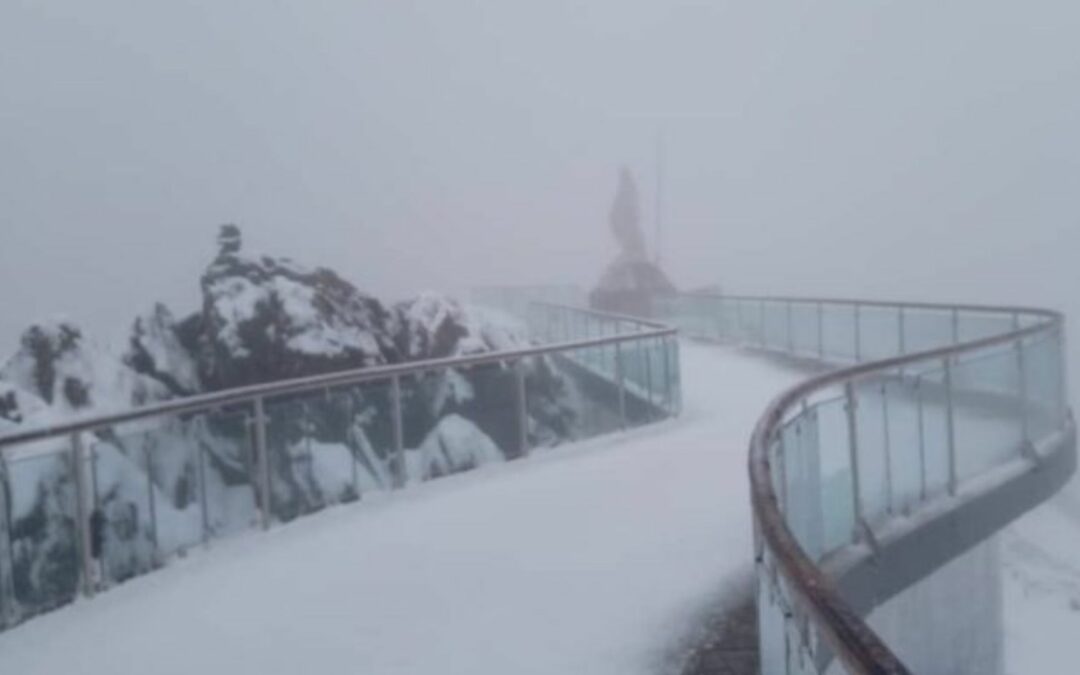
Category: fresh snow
<point>592,558</point>
<point>1041,577</point>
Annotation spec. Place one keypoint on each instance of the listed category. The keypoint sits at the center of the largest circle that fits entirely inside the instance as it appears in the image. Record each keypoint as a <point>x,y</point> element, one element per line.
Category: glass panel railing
<point>43,539</point>
<point>161,481</point>
<point>838,332</point>
<point>845,466</point>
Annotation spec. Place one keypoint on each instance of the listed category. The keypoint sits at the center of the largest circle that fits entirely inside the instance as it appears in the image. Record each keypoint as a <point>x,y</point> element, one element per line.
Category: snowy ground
<point>593,558</point>
<point>1041,560</point>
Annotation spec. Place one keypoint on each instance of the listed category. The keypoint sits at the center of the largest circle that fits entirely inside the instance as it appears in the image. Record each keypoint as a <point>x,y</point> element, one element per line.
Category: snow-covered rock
<point>163,485</point>
<point>155,350</point>
<point>436,326</point>
<point>266,319</point>
<point>453,446</point>
<point>72,374</point>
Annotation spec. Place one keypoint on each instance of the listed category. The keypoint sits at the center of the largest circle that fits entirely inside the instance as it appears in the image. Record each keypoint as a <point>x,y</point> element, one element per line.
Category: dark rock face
<point>266,319</point>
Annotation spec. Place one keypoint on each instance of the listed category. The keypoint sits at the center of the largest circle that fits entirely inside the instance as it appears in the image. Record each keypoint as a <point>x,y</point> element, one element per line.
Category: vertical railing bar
<point>620,383</point>
<point>396,430</point>
<point>901,332</point>
<point>889,495</point>
<point>203,505</point>
<point>761,324</point>
<point>262,458</point>
<point>955,325</point>
<point>521,407</point>
<point>950,425</point>
<point>648,371</point>
<point>781,461</point>
<point>667,376</point>
<point>97,518</point>
<point>853,458</point>
<point>790,331</point>
<point>858,333</point>
<point>1021,385</point>
<point>922,437</point>
<point>82,513</point>
<point>821,330</point>
<point>151,502</point>
<point>7,585</point>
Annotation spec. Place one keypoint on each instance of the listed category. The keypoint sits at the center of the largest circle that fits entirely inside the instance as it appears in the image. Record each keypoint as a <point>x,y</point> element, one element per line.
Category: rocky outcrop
<point>163,485</point>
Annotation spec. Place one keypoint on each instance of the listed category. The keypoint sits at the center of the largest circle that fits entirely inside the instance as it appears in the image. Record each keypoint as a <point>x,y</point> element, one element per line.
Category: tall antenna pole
<point>658,239</point>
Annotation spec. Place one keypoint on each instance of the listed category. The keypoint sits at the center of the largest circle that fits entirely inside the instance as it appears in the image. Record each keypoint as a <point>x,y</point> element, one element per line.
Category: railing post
<point>203,504</point>
<point>668,389</point>
<point>781,465</point>
<point>955,325</point>
<point>901,339</point>
<point>887,447</point>
<point>521,407</point>
<point>397,431</point>
<point>151,500</point>
<point>83,523</point>
<point>619,379</point>
<point>7,584</point>
<point>262,458</point>
<point>922,437</point>
<point>821,330</point>
<point>790,331</point>
<point>1021,385</point>
<point>761,324</point>
<point>858,334</point>
<point>648,372</point>
<point>950,425</point>
<point>853,458</point>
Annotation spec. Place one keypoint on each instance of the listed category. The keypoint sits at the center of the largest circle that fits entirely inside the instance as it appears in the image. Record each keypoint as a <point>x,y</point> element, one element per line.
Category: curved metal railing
<point>66,488</point>
<point>952,422</point>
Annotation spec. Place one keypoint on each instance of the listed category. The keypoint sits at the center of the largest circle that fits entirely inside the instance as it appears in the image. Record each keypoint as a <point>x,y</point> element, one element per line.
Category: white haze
<point>923,150</point>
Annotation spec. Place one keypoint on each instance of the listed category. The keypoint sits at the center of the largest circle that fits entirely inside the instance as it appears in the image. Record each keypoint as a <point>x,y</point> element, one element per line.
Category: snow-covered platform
<point>592,558</point>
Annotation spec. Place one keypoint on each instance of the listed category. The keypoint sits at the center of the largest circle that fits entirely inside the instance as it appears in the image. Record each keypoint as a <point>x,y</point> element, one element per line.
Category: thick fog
<point>920,150</point>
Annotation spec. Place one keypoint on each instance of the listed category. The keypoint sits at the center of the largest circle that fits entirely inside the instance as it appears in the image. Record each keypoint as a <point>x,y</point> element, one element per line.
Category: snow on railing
<point>89,503</point>
<point>952,422</point>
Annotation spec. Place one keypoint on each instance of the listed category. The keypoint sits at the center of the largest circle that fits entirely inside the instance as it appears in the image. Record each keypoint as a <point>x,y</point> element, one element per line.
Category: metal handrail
<point>846,633</point>
<point>248,394</point>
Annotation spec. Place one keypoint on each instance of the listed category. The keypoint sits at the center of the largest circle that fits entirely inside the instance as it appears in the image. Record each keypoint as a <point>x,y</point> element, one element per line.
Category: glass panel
<point>930,407</point>
<point>43,539</point>
<point>751,317</point>
<point>902,424</point>
<point>926,329</point>
<point>1043,385</point>
<point>838,332</point>
<point>879,332</point>
<point>593,400</point>
<point>975,325</point>
<point>331,446</point>
<point>552,398</point>
<point>771,632</point>
<point>804,323</point>
<point>458,419</point>
<point>835,468</point>
<point>803,507</point>
<point>124,504</point>
<point>986,410</point>
<point>776,326</point>
<point>875,484</point>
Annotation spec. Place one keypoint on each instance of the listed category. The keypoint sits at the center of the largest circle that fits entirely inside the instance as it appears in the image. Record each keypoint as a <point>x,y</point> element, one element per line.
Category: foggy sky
<point>911,150</point>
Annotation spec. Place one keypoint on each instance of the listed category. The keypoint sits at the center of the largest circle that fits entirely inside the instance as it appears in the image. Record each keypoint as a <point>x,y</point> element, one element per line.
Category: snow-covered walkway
<point>592,558</point>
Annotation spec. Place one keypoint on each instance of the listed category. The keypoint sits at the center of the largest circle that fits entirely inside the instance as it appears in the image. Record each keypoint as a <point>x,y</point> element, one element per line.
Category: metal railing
<point>952,422</point>
<point>90,502</point>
